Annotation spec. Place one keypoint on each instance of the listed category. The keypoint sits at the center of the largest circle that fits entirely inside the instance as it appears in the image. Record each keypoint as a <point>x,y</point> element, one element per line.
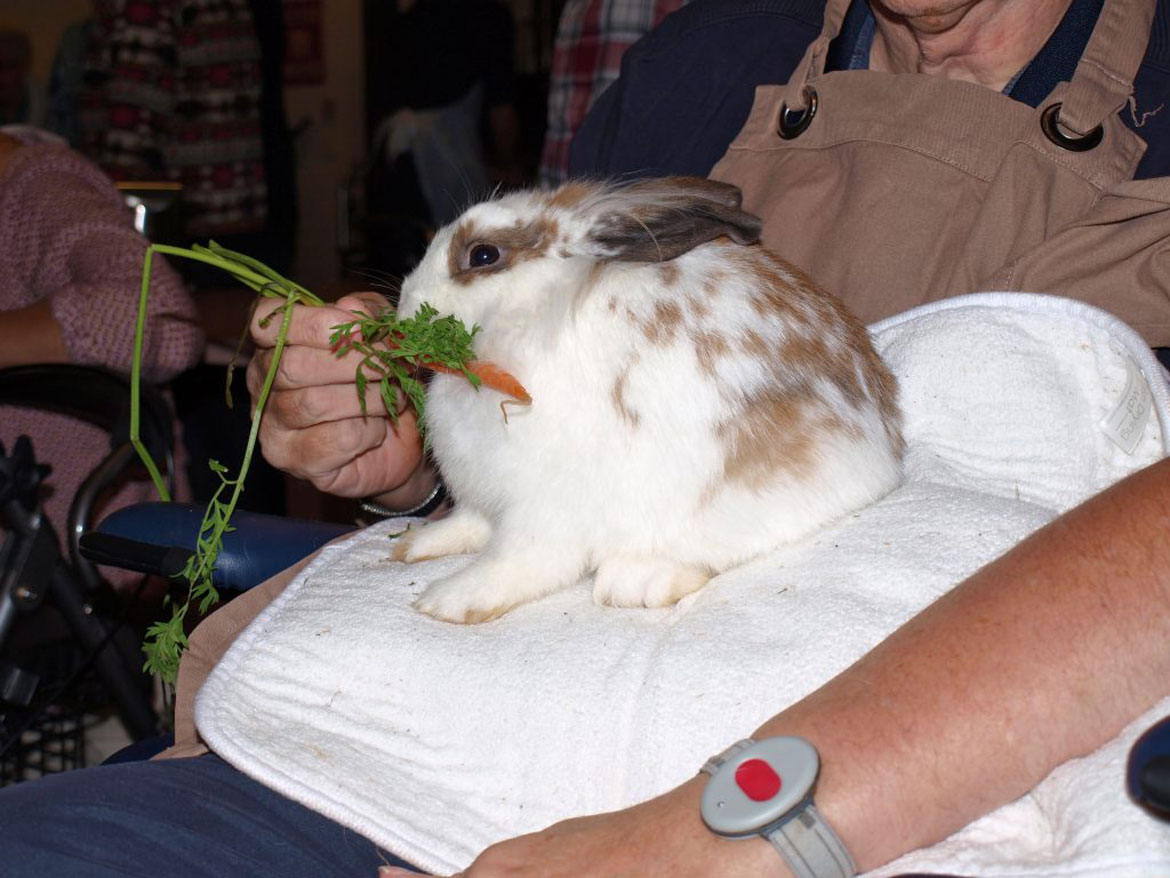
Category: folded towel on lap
<point>436,740</point>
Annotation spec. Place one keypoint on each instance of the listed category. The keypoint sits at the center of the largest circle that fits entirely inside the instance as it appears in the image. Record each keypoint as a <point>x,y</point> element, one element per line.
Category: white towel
<point>436,740</point>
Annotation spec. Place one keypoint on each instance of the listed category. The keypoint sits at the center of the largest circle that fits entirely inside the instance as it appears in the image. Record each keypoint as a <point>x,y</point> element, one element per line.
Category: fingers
<point>311,326</point>
<point>347,456</point>
<point>318,452</point>
<point>306,367</point>
<point>296,409</point>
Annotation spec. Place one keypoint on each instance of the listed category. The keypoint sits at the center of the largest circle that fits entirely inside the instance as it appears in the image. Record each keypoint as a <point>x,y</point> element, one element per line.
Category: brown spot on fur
<point>709,347</point>
<point>813,355</point>
<point>570,195</point>
<point>668,274</point>
<point>713,283</point>
<point>517,244</point>
<point>838,345</point>
<point>699,308</point>
<point>755,345</point>
<point>663,324</point>
<point>618,395</point>
<point>883,387</point>
<point>773,433</point>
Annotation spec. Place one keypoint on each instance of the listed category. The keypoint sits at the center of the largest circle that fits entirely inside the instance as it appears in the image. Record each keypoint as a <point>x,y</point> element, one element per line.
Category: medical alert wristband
<point>765,788</point>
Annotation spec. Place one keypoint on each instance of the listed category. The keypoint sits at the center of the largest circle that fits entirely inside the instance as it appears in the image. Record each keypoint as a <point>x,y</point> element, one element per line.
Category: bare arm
<point>1041,656</point>
<point>31,335</point>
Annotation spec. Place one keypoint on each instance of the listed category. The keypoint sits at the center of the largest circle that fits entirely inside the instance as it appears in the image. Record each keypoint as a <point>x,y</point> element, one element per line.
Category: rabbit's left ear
<point>657,220</point>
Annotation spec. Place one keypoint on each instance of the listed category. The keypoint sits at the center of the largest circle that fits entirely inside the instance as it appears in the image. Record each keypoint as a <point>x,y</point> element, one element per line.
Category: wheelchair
<point>41,567</point>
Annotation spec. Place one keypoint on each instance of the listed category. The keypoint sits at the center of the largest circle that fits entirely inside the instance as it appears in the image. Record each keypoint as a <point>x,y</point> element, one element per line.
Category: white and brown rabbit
<point>696,401</point>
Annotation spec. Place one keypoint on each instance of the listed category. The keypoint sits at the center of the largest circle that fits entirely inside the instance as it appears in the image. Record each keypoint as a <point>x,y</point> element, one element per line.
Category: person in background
<point>442,139</point>
<point>190,92</point>
<point>592,36</point>
<point>172,91</point>
<point>70,274</point>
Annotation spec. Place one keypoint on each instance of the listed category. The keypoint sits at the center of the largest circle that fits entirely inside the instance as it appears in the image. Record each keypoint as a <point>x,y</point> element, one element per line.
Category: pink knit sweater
<point>66,236</point>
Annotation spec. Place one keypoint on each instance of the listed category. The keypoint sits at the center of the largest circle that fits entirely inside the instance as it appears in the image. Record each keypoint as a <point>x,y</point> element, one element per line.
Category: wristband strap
<point>434,500</point>
<point>810,847</point>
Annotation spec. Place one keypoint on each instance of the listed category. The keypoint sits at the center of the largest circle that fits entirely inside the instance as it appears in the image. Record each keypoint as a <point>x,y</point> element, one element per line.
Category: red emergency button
<point>758,780</point>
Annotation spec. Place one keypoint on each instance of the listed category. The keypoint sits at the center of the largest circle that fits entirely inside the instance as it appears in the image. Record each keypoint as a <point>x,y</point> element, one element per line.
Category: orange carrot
<point>492,376</point>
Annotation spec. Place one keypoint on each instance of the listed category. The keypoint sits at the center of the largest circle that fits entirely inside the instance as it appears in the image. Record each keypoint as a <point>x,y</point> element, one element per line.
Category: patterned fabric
<point>172,90</point>
<point>591,38</point>
<point>66,237</point>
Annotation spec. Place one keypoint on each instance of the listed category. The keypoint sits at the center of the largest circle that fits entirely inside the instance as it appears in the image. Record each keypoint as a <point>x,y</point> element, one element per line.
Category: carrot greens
<point>392,349</point>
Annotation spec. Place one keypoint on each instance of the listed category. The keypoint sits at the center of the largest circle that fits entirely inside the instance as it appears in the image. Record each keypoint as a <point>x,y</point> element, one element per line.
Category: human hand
<point>661,838</point>
<point>313,426</point>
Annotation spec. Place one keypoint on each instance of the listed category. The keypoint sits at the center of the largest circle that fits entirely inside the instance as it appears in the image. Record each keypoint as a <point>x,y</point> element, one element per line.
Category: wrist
<point>751,855</point>
<point>423,494</point>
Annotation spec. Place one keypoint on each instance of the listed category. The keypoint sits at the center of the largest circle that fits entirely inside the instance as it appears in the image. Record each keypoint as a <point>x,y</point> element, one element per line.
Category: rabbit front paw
<point>646,582</point>
<point>464,601</point>
<point>458,534</point>
<point>491,586</point>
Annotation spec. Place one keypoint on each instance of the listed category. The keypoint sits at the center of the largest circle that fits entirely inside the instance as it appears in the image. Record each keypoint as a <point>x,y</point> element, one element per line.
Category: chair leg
<point>123,684</point>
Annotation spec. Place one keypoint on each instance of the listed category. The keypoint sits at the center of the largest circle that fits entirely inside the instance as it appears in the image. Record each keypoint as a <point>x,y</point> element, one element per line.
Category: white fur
<point>570,486</point>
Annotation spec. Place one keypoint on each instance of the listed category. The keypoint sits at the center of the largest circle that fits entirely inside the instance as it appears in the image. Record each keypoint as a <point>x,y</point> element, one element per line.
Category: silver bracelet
<point>434,500</point>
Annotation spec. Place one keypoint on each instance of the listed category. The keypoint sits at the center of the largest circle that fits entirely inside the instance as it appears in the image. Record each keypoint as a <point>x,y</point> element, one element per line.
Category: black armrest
<point>159,537</point>
<point>1148,774</point>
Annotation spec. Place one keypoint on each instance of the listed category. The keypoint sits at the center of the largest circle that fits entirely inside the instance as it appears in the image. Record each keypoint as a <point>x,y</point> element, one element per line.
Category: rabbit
<point>696,401</point>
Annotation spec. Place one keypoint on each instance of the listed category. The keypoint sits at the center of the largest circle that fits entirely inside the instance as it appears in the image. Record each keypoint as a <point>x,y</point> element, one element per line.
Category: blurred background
<point>334,88</point>
<point>326,139</point>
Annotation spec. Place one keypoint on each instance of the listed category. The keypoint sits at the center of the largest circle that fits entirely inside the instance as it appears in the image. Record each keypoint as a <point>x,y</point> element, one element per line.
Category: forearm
<point>31,335</point>
<point>1040,657</point>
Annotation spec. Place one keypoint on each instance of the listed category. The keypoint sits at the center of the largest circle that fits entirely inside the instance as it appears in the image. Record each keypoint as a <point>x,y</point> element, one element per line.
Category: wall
<point>332,141</point>
<point>43,22</point>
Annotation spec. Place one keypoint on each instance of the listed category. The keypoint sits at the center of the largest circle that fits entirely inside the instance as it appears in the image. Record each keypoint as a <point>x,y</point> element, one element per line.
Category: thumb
<point>367,302</point>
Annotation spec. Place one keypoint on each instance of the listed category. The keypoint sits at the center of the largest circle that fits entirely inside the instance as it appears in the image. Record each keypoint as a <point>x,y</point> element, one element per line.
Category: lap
<point>190,817</point>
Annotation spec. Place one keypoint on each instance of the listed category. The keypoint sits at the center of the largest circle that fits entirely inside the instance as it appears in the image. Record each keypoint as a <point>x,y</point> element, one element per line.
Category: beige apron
<point>907,188</point>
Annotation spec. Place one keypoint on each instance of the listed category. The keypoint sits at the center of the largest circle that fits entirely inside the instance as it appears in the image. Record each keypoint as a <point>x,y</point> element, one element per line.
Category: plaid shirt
<point>591,39</point>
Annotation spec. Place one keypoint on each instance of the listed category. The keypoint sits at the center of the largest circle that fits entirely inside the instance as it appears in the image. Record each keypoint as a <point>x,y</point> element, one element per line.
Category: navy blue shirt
<point>687,87</point>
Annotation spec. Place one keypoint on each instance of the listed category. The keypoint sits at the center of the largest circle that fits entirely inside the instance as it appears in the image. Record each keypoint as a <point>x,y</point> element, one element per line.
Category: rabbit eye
<point>483,255</point>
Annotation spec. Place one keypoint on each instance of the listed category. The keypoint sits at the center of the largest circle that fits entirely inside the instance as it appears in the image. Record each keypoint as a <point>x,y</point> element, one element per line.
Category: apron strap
<point>1103,80</point>
<point>812,66</point>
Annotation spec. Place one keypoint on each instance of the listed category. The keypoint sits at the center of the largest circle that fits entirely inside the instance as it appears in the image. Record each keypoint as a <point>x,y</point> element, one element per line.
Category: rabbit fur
<point>696,400</point>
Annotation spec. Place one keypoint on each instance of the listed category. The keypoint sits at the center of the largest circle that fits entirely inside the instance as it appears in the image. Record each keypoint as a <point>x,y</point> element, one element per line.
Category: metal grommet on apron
<point>1050,125</point>
<point>911,188</point>
<point>792,123</point>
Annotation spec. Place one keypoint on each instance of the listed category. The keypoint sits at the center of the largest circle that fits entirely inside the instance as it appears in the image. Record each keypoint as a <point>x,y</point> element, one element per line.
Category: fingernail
<point>395,872</point>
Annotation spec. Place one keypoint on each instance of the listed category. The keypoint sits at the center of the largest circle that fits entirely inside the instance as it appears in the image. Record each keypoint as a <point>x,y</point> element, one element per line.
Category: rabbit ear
<point>657,220</point>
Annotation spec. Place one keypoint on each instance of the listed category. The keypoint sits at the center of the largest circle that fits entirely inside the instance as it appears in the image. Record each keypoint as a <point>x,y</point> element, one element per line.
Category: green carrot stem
<point>245,275</point>
<point>136,383</point>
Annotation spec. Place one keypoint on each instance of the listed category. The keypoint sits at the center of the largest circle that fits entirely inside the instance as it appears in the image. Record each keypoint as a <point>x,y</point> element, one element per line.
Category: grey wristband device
<point>433,501</point>
<point>766,788</point>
